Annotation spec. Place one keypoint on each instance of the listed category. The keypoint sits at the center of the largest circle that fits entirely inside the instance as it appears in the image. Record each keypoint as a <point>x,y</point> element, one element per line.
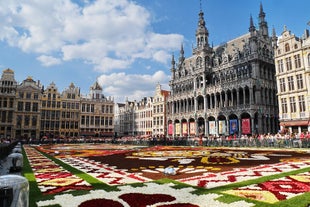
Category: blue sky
<point>125,45</point>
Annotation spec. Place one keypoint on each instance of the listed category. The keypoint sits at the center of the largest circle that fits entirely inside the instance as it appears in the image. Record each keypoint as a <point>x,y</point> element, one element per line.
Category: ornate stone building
<point>97,114</point>
<point>50,112</point>
<point>159,111</point>
<point>28,109</point>
<point>292,59</point>
<point>227,89</point>
<point>124,119</point>
<point>70,112</point>
<point>143,117</point>
<point>8,86</point>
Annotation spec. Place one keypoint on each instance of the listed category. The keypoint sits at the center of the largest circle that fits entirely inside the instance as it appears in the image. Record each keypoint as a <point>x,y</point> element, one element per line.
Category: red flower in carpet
<point>100,202</point>
<point>136,200</point>
<point>179,205</point>
<point>141,200</point>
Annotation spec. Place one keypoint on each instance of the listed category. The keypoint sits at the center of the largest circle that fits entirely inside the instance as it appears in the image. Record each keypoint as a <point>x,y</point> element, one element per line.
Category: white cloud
<point>108,34</point>
<point>134,86</point>
<point>48,60</point>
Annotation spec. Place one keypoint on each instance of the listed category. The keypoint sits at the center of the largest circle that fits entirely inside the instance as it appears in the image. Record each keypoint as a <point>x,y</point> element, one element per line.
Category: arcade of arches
<point>227,112</point>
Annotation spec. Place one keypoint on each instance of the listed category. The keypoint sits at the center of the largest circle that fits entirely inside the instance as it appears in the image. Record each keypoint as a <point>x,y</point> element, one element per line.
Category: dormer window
<point>287,47</point>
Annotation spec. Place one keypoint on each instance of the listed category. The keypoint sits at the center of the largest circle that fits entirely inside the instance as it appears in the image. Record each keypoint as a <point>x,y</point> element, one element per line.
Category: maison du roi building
<point>30,111</point>
<point>227,89</point>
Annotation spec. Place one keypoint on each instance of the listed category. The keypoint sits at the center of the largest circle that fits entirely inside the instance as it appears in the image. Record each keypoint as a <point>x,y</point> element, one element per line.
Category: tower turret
<point>202,33</point>
<point>172,67</point>
<point>263,27</point>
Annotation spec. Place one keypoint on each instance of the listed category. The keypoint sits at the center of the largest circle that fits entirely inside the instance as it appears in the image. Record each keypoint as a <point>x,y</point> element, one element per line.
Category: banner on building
<point>170,129</point>
<point>177,128</point>
<point>212,128</point>
<point>222,126</point>
<point>246,126</point>
<point>233,126</point>
<point>192,128</point>
<point>184,129</point>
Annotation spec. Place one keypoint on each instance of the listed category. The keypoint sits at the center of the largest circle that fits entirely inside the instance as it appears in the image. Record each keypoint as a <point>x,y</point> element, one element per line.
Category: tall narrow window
<point>309,59</point>
<point>301,102</point>
<point>284,105</point>
<point>297,61</point>
<point>280,66</point>
<point>288,63</point>
<point>300,83</point>
<point>282,85</point>
<point>292,104</point>
<point>287,47</point>
<point>290,81</point>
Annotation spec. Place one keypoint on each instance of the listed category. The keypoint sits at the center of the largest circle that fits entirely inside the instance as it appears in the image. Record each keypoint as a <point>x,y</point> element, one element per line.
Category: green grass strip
<point>34,191</point>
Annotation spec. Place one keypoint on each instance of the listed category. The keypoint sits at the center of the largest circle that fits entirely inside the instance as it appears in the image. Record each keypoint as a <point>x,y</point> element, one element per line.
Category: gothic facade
<point>227,89</point>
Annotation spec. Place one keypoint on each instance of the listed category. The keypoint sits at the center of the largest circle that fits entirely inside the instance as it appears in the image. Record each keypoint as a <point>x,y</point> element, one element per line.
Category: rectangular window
<point>83,120</point>
<point>297,61</point>
<point>97,121</point>
<point>288,63</point>
<point>83,107</point>
<point>11,102</point>
<point>280,66</point>
<point>20,106</point>
<point>292,104</point>
<point>282,85</point>
<point>284,105</point>
<point>28,95</point>
<point>290,81</point>
<point>27,106</point>
<point>34,121</point>
<point>300,83</point>
<point>302,104</point>
<point>35,107</point>
<point>27,120</point>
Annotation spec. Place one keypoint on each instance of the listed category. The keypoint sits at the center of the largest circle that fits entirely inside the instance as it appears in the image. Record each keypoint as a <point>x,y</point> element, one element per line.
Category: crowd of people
<point>287,140</point>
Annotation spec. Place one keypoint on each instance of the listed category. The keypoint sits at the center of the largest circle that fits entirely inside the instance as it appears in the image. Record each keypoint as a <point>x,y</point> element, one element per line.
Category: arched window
<point>198,62</point>
<point>287,47</point>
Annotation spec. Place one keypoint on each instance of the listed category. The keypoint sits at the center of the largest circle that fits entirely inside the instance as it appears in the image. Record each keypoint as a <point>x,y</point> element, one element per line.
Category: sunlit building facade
<point>292,59</point>
<point>159,111</point>
<point>50,112</point>
<point>28,109</point>
<point>96,114</point>
<point>224,90</point>
<point>70,112</point>
<point>143,118</point>
<point>8,86</point>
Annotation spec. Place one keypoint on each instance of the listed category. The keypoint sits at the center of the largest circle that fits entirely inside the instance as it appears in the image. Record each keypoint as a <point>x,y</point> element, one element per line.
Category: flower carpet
<point>134,176</point>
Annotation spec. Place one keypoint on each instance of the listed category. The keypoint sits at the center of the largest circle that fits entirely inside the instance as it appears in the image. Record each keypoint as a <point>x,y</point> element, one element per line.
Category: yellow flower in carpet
<point>219,160</point>
<point>48,170</point>
<point>43,163</point>
<point>259,195</point>
<point>301,178</point>
<point>61,181</point>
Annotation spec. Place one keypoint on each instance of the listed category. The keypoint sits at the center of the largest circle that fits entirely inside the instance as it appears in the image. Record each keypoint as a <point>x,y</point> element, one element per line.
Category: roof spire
<point>263,27</point>
<point>252,27</point>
